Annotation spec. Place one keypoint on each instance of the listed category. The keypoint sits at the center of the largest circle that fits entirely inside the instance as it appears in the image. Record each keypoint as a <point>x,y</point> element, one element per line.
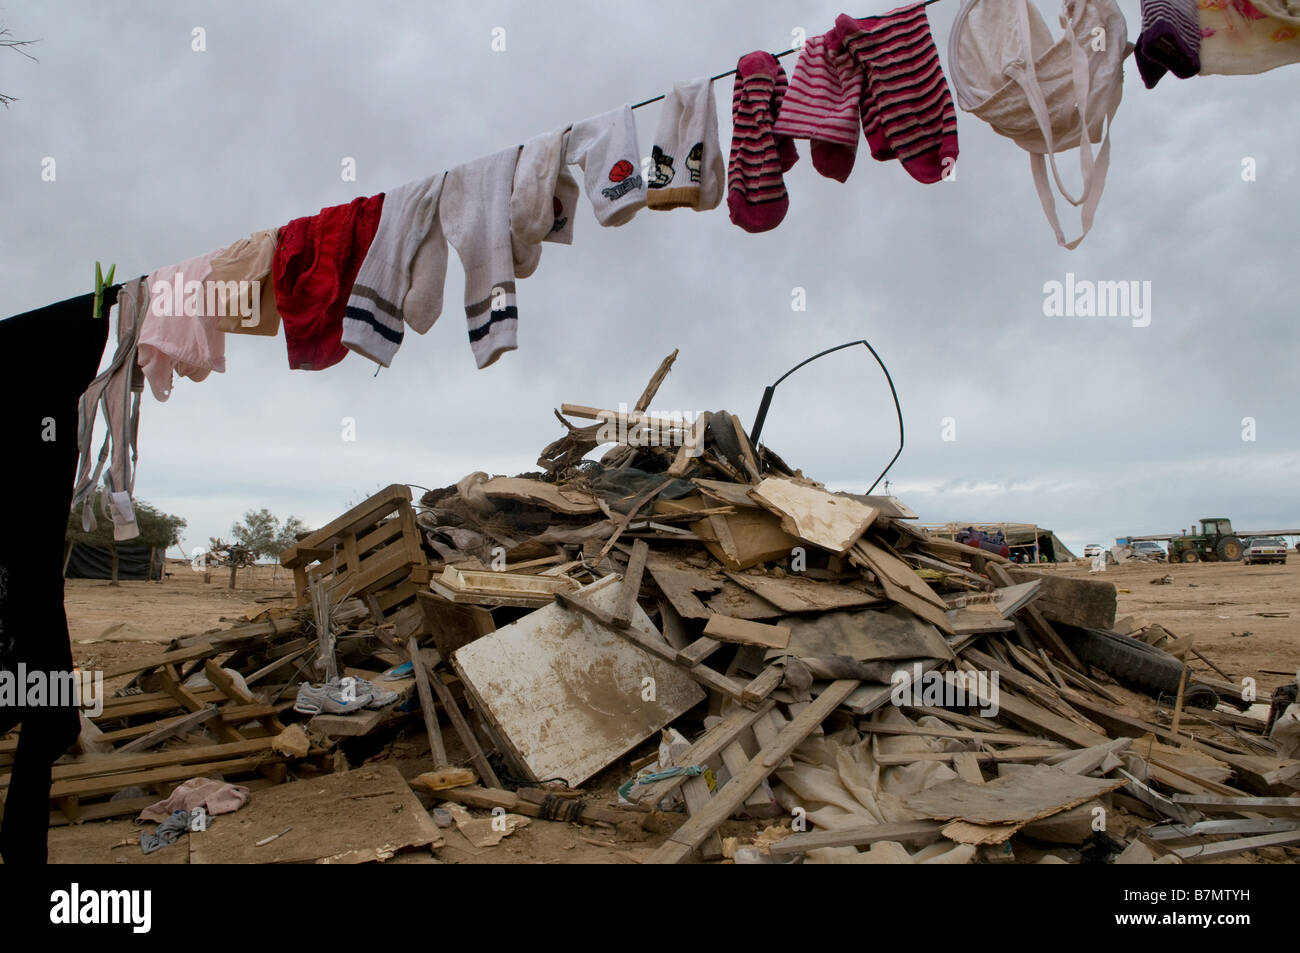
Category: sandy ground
<point>1243,617</point>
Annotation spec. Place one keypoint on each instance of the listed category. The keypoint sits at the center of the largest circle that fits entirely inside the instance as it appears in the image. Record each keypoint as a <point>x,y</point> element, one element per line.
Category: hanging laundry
<point>375,316</point>
<point>475,214</point>
<point>38,431</point>
<point>1000,73</point>
<point>822,105</point>
<point>248,260</point>
<point>686,168</point>
<point>1241,36</point>
<point>907,110</point>
<point>422,305</point>
<point>180,333</point>
<point>1170,41</point>
<point>543,200</point>
<point>117,391</point>
<point>756,195</point>
<point>315,265</point>
<point>606,149</point>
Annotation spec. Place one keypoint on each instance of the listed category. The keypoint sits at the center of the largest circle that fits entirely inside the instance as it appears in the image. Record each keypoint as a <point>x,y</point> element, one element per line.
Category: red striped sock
<point>756,195</point>
<point>907,110</point>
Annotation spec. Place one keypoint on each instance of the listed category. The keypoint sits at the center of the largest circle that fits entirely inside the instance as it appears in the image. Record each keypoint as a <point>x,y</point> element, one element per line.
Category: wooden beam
<point>709,745</point>
<point>732,795</point>
<point>1269,806</point>
<point>467,738</point>
<point>631,586</point>
<point>426,704</point>
<point>167,729</point>
<point>920,832</point>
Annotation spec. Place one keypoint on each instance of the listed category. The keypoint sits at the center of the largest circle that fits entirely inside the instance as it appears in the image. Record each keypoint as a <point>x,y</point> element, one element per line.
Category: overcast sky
<point>1090,426</point>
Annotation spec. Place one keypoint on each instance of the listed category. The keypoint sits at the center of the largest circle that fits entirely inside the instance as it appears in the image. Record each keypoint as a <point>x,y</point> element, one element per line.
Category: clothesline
<point>732,71</point>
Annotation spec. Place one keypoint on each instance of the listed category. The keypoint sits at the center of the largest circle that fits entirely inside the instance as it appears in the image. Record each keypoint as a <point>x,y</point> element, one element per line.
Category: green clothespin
<point>101,284</point>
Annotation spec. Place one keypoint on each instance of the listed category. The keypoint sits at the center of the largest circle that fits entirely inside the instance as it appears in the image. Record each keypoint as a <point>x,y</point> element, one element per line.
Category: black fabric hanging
<point>47,359</point>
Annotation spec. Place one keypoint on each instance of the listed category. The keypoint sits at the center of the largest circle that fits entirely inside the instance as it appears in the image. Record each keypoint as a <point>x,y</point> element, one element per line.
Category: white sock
<point>686,167</point>
<point>605,146</point>
<point>373,321</point>
<point>543,200</point>
<point>475,214</point>
<point>423,302</point>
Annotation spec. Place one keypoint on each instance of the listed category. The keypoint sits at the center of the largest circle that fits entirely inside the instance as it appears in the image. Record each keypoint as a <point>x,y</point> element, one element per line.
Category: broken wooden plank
<point>436,748</point>
<point>794,593</point>
<point>1202,852</point>
<point>1269,806</point>
<point>763,685</point>
<point>706,747</point>
<point>726,801</point>
<point>740,631</point>
<point>172,726</point>
<point>917,832</point>
<point>463,730</point>
<point>824,519</point>
<point>698,651</point>
<point>631,585</point>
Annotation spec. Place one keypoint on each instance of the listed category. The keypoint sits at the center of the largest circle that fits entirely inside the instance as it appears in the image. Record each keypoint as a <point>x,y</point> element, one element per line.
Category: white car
<point>1265,549</point>
<point>1091,550</point>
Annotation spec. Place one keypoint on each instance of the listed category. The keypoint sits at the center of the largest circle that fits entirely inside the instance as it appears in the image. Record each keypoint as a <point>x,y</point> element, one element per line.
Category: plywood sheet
<point>793,593</point>
<point>566,694</point>
<point>866,636</point>
<point>824,519</point>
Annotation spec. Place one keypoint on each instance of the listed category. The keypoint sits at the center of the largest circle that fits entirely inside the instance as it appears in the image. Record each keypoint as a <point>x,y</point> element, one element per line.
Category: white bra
<point>1007,70</point>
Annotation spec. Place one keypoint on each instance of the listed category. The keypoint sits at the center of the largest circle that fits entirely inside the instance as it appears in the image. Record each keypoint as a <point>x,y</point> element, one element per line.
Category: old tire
<point>1189,556</point>
<point>1139,666</point>
<point>1229,549</point>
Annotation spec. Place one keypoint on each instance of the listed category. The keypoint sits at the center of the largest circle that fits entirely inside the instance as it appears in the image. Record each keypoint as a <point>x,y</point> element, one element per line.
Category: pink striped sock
<point>756,195</point>
<point>907,110</point>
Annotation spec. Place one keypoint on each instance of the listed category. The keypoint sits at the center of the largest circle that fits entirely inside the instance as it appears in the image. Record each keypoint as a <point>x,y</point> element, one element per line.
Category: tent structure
<point>134,561</point>
<point>1033,543</point>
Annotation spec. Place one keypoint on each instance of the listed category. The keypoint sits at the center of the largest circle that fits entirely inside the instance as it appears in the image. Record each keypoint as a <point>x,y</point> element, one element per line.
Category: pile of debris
<point>808,662</point>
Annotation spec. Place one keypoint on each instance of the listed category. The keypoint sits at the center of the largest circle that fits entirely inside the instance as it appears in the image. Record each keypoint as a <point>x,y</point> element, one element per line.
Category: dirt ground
<point>1244,618</point>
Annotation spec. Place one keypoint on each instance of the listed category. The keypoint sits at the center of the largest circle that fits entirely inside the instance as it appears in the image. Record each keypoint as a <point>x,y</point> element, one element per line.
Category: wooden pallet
<point>371,550</point>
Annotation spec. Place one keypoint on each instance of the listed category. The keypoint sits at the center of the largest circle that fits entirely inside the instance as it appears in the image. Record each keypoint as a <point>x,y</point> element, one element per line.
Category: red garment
<point>316,262</point>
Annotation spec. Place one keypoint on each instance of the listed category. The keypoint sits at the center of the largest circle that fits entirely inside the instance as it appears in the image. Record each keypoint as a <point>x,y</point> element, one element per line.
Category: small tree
<point>263,534</point>
<point>258,532</point>
<point>158,530</point>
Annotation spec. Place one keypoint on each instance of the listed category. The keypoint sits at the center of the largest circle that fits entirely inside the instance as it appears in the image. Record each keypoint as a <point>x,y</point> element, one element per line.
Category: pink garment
<point>179,334</point>
<point>215,797</point>
<point>822,105</point>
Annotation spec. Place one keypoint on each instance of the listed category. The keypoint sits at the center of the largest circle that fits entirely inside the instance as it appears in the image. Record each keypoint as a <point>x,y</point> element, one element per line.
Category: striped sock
<point>756,195</point>
<point>821,105</point>
<point>1170,41</point>
<point>907,110</point>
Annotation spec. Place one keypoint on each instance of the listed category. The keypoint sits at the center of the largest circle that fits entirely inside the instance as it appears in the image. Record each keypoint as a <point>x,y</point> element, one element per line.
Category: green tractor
<point>1216,541</point>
